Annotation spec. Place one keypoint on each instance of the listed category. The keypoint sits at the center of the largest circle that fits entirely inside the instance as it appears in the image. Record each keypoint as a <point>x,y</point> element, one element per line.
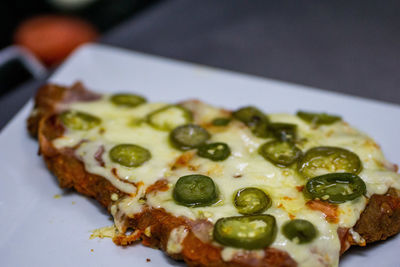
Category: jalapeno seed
<point>77,120</point>
<point>251,200</point>
<point>195,190</point>
<point>214,151</point>
<point>280,153</point>
<point>335,187</point>
<point>188,136</point>
<point>299,231</point>
<point>247,232</point>
<point>127,100</point>
<point>284,131</point>
<point>325,159</point>
<point>129,155</point>
<point>169,117</point>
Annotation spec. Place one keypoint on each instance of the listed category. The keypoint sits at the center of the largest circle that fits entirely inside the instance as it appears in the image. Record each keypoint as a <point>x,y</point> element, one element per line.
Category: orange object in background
<point>52,38</point>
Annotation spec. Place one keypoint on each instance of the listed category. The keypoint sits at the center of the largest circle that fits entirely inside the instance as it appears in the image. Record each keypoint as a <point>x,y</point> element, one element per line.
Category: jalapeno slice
<point>77,120</point>
<point>220,121</point>
<point>214,151</point>
<point>254,119</point>
<point>169,117</point>
<point>318,118</point>
<point>251,200</point>
<point>247,232</point>
<point>195,190</point>
<point>129,155</point>
<point>299,231</point>
<point>127,100</point>
<point>335,187</point>
<point>280,153</point>
<point>325,159</point>
<point>284,131</point>
<point>188,136</point>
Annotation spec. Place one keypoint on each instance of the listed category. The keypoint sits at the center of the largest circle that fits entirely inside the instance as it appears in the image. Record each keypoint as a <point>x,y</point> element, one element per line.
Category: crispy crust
<point>50,99</point>
<point>380,219</point>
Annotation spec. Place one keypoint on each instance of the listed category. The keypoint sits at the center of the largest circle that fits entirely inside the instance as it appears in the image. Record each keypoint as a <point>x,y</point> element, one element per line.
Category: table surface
<point>343,46</point>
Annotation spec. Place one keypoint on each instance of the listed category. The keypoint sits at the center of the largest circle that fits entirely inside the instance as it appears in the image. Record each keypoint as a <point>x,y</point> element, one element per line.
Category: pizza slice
<point>219,188</point>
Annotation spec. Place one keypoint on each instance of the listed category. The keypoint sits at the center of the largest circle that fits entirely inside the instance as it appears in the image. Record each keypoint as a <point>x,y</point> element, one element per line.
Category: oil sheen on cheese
<point>244,168</point>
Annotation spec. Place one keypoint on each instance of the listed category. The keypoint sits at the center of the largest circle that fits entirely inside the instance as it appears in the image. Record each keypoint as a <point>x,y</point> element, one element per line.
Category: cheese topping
<point>243,168</point>
<point>175,239</point>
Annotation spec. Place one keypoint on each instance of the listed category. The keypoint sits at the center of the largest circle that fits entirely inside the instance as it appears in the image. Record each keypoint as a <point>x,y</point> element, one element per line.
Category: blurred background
<point>348,46</point>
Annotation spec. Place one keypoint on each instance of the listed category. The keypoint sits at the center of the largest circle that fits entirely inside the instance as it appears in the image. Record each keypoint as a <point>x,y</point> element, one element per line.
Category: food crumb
<point>57,196</point>
<point>108,231</point>
<point>148,260</point>
<point>91,250</point>
<point>73,202</point>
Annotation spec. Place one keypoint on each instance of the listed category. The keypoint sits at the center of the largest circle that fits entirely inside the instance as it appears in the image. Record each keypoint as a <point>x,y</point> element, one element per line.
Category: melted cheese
<point>175,239</point>
<point>244,168</point>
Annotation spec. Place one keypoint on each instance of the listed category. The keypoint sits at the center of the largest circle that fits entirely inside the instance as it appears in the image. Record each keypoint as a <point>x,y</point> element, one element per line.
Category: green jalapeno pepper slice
<point>284,131</point>
<point>251,200</point>
<point>247,232</point>
<point>127,100</point>
<point>169,117</point>
<point>129,155</point>
<point>214,151</point>
<point>299,231</point>
<point>280,153</point>
<point>188,136</point>
<point>195,190</point>
<point>221,121</point>
<point>335,187</point>
<point>318,118</point>
<point>255,119</point>
<point>326,159</point>
<point>77,120</point>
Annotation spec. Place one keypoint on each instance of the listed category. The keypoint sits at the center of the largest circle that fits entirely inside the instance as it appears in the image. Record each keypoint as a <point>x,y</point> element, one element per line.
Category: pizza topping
<point>127,100</point>
<point>214,151</point>
<point>336,187</point>
<point>284,186</point>
<point>251,200</point>
<point>98,156</point>
<point>77,120</point>
<point>129,155</point>
<point>284,131</point>
<point>159,185</point>
<point>248,232</point>
<point>221,121</point>
<point>175,240</point>
<point>169,117</point>
<point>195,190</point>
<point>299,231</point>
<point>326,159</point>
<point>280,153</point>
<point>255,119</point>
<point>183,160</point>
<point>188,136</point>
<point>329,210</point>
<point>318,118</point>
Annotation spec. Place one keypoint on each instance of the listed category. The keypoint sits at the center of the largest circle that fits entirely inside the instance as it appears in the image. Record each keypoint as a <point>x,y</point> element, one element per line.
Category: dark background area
<point>352,47</point>
<point>103,14</point>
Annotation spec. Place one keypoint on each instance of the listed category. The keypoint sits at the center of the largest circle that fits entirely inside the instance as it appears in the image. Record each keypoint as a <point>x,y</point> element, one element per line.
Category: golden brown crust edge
<point>380,219</point>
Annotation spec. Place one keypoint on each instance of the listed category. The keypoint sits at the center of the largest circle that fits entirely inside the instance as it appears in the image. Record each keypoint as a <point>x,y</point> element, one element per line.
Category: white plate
<point>40,230</point>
